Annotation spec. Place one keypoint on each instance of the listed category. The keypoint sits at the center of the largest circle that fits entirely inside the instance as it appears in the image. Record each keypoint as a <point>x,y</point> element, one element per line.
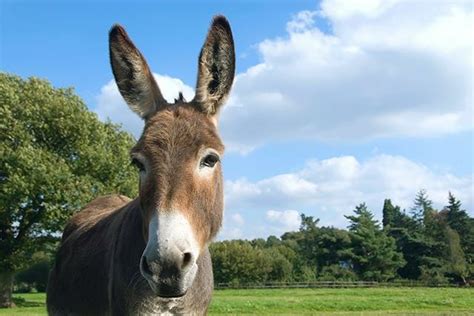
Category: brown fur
<point>96,270</point>
<point>97,265</point>
<point>171,142</point>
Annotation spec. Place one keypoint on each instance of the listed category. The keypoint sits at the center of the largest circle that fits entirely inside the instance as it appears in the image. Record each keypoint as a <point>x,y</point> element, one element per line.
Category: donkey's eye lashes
<point>210,160</point>
<point>138,164</point>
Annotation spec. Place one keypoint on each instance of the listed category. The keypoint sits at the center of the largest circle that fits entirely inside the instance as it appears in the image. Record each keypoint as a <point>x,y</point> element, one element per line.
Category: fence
<point>330,284</point>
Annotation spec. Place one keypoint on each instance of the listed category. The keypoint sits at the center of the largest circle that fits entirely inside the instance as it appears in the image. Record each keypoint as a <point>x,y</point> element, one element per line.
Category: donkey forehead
<point>178,129</point>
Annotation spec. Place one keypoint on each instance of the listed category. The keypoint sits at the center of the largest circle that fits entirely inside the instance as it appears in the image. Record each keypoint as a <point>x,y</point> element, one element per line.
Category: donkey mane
<point>180,98</point>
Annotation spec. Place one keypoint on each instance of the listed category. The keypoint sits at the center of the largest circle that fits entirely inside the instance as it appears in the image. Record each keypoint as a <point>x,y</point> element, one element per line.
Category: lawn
<point>359,301</point>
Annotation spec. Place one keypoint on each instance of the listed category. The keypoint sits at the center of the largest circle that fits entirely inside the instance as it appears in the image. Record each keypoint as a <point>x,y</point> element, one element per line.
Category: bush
<point>33,278</point>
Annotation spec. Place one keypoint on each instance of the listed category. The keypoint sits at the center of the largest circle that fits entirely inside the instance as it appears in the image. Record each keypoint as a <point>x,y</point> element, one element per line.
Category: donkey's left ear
<point>216,67</point>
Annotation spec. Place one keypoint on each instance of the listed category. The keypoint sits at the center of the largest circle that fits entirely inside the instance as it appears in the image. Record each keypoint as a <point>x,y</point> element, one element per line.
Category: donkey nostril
<point>187,257</point>
<point>146,267</point>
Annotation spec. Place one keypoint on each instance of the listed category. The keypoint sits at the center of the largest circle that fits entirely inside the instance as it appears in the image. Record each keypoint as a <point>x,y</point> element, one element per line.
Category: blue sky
<point>334,103</point>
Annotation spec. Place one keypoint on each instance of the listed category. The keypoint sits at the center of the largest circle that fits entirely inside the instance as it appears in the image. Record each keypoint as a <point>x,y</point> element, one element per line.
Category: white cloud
<point>232,226</point>
<point>331,188</point>
<point>237,219</point>
<point>110,103</point>
<point>390,68</point>
<point>229,233</point>
<point>288,220</point>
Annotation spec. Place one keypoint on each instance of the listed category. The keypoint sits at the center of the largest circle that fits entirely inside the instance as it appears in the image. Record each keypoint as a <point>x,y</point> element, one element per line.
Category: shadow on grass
<point>22,302</point>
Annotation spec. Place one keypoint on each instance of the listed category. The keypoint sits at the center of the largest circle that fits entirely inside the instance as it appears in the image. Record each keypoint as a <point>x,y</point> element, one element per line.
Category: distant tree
<point>423,207</point>
<point>258,243</point>
<point>431,232</point>
<point>308,223</point>
<point>374,254</point>
<point>294,246</point>
<point>303,242</point>
<point>281,267</point>
<point>334,250</point>
<point>55,156</point>
<point>272,241</point>
<point>459,220</point>
<point>390,213</point>
<point>457,267</point>
<point>237,261</point>
<point>308,245</point>
<point>409,238</point>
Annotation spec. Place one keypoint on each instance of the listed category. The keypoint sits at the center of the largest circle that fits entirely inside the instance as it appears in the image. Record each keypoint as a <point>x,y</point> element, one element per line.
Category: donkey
<point>150,255</point>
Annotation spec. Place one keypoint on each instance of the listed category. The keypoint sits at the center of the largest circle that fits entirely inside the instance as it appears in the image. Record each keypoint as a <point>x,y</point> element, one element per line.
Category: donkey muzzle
<point>169,260</point>
<point>170,277</point>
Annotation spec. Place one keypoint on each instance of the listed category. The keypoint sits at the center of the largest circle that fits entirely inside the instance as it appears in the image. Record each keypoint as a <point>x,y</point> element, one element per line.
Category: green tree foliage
<point>36,275</point>
<point>423,207</point>
<point>55,156</point>
<point>425,245</point>
<point>457,266</point>
<point>333,246</point>
<point>305,244</point>
<point>441,254</point>
<point>409,240</point>
<point>459,220</point>
<point>239,262</point>
<point>374,254</point>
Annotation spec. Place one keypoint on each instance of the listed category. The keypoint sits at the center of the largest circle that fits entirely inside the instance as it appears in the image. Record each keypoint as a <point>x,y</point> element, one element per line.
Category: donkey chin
<point>169,260</point>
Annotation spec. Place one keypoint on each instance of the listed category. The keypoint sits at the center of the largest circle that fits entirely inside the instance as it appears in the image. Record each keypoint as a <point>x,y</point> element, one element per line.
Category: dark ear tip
<point>221,21</point>
<point>117,31</point>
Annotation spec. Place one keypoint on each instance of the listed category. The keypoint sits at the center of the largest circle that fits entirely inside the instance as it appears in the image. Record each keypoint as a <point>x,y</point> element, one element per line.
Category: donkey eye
<point>210,160</point>
<point>137,163</point>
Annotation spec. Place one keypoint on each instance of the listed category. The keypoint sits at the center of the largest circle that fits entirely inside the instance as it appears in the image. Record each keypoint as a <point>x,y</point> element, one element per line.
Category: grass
<point>30,304</point>
<point>358,301</point>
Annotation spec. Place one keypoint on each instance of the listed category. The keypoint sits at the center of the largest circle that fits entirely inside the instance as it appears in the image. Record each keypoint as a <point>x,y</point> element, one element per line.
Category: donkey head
<point>178,157</point>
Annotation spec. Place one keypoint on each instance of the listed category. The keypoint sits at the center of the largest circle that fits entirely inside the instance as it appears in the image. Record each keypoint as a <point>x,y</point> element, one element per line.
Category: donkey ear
<point>132,74</point>
<point>216,67</point>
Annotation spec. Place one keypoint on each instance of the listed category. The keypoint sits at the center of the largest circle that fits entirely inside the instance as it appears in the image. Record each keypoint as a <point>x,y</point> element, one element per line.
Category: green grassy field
<point>359,301</point>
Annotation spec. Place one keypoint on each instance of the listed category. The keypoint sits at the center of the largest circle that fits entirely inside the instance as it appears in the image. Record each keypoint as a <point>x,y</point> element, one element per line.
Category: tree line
<point>425,244</point>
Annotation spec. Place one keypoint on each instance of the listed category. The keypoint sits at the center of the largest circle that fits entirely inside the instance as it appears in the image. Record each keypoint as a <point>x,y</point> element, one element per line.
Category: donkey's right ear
<point>132,74</point>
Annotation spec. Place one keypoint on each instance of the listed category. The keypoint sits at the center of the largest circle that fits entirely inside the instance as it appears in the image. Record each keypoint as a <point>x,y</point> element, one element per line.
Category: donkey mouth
<point>175,295</point>
<point>166,291</point>
<point>169,284</point>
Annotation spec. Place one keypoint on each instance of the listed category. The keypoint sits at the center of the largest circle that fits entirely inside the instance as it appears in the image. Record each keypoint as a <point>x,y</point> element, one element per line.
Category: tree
<point>437,244</point>
<point>308,246</point>
<point>237,261</point>
<point>408,238</point>
<point>423,207</point>
<point>55,156</point>
<point>457,262</point>
<point>390,213</point>
<point>334,253</point>
<point>308,223</point>
<point>374,254</point>
<point>463,224</point>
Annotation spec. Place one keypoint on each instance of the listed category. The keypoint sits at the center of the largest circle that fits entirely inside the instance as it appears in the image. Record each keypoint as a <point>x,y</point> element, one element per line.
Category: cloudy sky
<point>335,102</point>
